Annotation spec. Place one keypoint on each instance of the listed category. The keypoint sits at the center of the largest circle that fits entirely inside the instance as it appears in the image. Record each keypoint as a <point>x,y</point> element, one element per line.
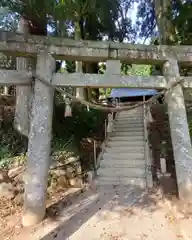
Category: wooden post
<point>39,143</point>
<point>179,132</point>
<point>23,93</point>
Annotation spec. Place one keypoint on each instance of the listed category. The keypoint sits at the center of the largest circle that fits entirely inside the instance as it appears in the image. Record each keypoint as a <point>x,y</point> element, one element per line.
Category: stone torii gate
<point>44,51</point>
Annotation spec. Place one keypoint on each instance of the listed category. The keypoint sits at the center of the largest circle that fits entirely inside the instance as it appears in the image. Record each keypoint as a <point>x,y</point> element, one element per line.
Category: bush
<point>82,124</point>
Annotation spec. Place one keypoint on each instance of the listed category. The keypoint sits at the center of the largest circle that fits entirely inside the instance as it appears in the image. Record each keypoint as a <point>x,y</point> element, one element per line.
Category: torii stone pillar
<point>23,93</point>
<point>39,143</point>
<point>179,132</point>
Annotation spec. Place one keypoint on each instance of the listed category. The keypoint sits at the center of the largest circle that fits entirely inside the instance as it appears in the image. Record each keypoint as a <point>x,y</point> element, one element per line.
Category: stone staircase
<point>124,156</point>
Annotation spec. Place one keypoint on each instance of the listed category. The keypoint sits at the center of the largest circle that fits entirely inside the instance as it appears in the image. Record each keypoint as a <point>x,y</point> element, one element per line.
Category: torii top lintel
<point>67,49</point>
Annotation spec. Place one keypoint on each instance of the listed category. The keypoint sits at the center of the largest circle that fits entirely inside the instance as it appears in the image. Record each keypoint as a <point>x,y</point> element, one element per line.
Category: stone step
<point>120,156</point>
<point>124,181</point>
<point>125,130</point>
<point>124,149</point>
<point>123,118</point>
<point>128,128</point>
<point>128,134</point>
<point>128,125</point>
<point>117,172</point>
<point>129,121</point>
<point>123,163</point>
<point>135,116</point>
<point>122,159</point>
<point>131,133</point>
<point>129,144</point>
<point>132,111</point>
<point>120,142</point>
<point>125,146</point>
<point>133,138</point>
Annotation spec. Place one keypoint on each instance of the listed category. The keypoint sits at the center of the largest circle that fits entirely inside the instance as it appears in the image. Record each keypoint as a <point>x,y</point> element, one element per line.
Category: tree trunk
<point>162,10</point>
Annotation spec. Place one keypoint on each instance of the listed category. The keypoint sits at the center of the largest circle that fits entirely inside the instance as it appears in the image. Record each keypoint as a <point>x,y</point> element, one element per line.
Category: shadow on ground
<point>90,214</point>
<point>69,215</point>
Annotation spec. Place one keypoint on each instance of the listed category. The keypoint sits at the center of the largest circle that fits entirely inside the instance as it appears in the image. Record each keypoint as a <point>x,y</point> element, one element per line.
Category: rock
<point>7,190</point>
<point>62,181</point>
<point>19,178</point>
<point>19,199</point>
<point>89,177</point>
<point>15,171</point>
<point>58,172</point>
<point>59,182</point>
<point>76,182</point>
<point>78,169</point>
<point>4,177</point>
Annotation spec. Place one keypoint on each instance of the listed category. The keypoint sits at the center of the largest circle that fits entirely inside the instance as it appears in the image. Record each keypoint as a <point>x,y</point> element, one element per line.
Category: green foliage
<point>139,70</point>
<point>126,69</point>
<point>190,127</point>
<point>67,133</point>
<point>182,23</point>
<point>4,152</point>
<point>70,66</point>
<point>82,123</point>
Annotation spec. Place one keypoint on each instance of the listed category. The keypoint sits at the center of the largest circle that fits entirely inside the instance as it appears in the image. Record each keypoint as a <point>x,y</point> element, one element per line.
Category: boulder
<point>19,199</point>
<point>76,182</point>
<point>12,173</point>
<point>4,177</point>
<point>62,181</point>
<point>7,190</point>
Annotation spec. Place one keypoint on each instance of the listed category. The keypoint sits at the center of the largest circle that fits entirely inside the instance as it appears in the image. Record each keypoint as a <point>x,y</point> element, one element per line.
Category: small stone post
<point>39,143</point>
<point>113,67</point>
<point>23,93</point>
<point>110,123</point>
<point>79,91</point>
<point>179,132</point>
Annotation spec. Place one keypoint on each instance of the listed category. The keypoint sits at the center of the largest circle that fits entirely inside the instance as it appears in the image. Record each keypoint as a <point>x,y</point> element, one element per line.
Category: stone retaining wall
<point>160,140</point>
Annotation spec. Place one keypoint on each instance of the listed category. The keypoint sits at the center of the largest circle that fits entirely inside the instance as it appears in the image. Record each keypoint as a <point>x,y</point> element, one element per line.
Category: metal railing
<point>108,128</point>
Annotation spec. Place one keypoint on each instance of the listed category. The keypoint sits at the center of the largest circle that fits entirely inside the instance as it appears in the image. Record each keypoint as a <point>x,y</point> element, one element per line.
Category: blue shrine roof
<point>131,92</point>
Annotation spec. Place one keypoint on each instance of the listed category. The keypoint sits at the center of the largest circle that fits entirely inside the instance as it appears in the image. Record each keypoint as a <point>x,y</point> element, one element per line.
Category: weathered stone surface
<point>7,190</point>
<point>65,172</point>
<point>160,141</point>
<point>79,91</point>
<point>4,177</point>
<point>19,199</point>
<point>76,182</point>
<point>13,77</point>
<point>92,50</point>
<point>187,83</point>
<point>39,144</point>
<point>13,172</point>
<point>103,80</point>
<point>23,93</point>
<point>62,181</point>
<point>179,132</point>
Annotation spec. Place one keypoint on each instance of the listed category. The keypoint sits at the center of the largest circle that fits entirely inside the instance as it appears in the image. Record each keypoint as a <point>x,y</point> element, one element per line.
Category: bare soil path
<point>112,213</point>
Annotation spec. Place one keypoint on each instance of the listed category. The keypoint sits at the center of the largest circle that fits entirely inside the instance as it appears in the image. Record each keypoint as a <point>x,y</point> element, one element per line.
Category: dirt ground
<point>109,213</point>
